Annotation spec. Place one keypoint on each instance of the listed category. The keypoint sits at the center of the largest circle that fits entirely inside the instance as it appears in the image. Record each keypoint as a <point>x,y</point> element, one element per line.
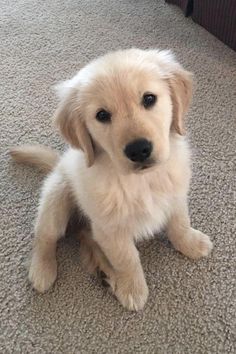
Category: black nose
<point>138,150</point>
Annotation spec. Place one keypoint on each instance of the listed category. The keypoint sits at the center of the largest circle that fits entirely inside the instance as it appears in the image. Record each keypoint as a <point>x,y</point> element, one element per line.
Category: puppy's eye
<point>149,100</point>
<point>103,116</point>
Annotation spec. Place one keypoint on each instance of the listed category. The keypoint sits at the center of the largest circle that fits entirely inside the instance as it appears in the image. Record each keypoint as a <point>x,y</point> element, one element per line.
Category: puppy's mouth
<point>144,166</point>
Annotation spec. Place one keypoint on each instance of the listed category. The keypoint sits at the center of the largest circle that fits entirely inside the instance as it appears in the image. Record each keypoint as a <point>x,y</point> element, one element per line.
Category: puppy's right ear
<point>70,122</point>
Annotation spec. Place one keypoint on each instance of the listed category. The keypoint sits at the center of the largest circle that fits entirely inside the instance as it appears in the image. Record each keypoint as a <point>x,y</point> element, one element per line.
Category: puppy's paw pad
<point>105,283</point>
<point>42,274</point>
<point>101,274</point>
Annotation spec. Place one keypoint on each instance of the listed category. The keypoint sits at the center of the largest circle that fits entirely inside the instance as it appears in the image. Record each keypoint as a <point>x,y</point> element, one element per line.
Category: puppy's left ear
<point>181,87</point>
<point>180,83</point>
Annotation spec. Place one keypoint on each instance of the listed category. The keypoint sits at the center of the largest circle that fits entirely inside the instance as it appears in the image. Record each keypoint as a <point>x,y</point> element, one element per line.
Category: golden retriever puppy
<point>127,169</point>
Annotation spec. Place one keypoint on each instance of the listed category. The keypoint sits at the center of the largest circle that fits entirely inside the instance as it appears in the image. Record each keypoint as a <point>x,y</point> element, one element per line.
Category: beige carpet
<point>191,307</point>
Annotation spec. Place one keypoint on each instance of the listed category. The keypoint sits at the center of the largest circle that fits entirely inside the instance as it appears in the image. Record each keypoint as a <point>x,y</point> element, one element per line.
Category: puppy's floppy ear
<point>180,84</point>
<point>72,126</point>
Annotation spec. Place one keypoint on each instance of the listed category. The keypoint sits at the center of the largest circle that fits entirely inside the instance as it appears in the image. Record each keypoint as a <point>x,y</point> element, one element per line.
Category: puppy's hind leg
<point>91,255</point>
<point>53,215</point>
<point>192,243</point>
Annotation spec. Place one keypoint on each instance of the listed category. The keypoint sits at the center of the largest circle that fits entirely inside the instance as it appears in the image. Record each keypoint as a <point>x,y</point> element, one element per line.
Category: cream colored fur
<point>36,155</point>
<point>123,204</point>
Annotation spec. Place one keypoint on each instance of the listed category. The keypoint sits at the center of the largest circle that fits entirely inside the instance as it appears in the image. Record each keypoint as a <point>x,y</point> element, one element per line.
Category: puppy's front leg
<point>127,278</point>
<point>192,243</point>
<point>52,219</point>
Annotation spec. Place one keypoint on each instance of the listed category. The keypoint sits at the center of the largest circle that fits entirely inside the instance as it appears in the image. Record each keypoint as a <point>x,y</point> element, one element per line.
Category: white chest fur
<point>130,204</point>
<point>139,204</point>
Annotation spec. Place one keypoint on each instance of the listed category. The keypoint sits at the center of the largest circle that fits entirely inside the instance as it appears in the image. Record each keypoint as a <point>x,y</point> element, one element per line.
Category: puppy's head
<point>126,104</point>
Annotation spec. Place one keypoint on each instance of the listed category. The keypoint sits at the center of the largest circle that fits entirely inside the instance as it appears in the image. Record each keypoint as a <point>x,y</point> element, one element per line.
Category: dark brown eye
<point>103,116</point>
<point>149,100</point>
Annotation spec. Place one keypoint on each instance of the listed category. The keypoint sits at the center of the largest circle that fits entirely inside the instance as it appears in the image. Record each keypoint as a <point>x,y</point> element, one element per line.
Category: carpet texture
<point>191,307</point>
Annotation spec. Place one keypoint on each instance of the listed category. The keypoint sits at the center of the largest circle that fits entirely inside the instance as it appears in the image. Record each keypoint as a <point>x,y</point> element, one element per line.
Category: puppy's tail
<point>40,156</point>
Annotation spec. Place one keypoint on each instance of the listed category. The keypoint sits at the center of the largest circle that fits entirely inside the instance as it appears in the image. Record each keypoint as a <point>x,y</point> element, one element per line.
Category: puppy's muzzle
<point>138,150</point>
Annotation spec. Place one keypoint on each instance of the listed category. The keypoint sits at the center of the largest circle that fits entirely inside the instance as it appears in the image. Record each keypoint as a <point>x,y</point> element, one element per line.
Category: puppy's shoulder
<point>179,164</point>
<point>72,162</point>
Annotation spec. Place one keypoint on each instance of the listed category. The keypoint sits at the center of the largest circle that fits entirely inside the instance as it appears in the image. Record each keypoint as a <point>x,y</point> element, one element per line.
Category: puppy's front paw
<point>195,244</point>
<point>42,273</point>
<point>131,291</point>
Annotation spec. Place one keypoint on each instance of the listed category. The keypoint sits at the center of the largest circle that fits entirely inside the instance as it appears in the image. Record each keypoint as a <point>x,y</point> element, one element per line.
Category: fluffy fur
<point>122,201</point>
